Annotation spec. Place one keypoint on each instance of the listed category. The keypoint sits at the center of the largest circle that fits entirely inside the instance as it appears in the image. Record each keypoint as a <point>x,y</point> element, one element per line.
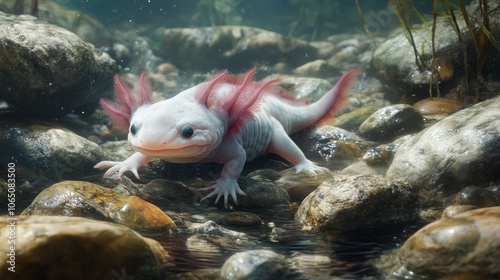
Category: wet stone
<point>477,196</point>
<point>84,199</point>
<point>357,201</point>
<point>329,146</point>
<point>380,155</point>
<point>438,106</point>
<point>55,247</point>
<point>391,121</point>
<point>242,219</point>
<point>261,194</point>
<point>78,22</point>
<point>255,265</point>
<point>453,210</point>
<point>48,151</point>
<point>460,150</point>
<point>352,120</point>
<point>462,246</point>
<point>38,50</point>
<point>315,68</point>
<point>304,88</point>
<point>300,185</point>
<point>171,194</point>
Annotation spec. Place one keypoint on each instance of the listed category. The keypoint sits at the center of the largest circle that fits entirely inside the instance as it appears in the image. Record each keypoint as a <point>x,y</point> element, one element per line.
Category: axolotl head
<point>178,129</point>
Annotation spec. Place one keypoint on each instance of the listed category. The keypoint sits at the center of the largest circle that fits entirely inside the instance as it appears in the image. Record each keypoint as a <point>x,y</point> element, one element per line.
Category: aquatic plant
<point>481,37</point>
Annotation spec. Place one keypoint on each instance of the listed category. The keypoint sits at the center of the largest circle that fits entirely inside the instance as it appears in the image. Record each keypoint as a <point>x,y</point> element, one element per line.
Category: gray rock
<point>315,68</point>
<point>358,201</point>
<point>261,194</point>
<point>464,245</point>
<point>329,146</point>
<point>109,250</point>
<point>304,88</point>
<point>477,196</point>
<point>390,122</point>
<point>46,70</point>
<point>233,47</point>
<point>394,60</point>
<point>83,25</point>
<point>255,265</point>
<point>460,150</point>
<point>48,151</point>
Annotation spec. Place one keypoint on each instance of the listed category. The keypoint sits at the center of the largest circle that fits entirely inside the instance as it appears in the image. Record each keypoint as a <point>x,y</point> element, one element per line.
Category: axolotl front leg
<point>131,164</point>
<point>233,156</point>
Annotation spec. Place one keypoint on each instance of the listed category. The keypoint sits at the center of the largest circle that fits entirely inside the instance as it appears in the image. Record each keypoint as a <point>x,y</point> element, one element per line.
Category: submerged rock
<point>86,27</point>
<point>352,120</point>
<point>239,218</point>
<point>390,122</point>
<point>438,106</point>
<point>255,265</point>
<point>83,199</point>
<point>330,146</point>
<point>477,196</point>
<point>233,47</point>
<point>394,60</point>
<point>48,151</point>
<point>46,70</point>
<point>358,201</point>
<point>461,149</point>
<point>463,246</point>
<point>78,248</point>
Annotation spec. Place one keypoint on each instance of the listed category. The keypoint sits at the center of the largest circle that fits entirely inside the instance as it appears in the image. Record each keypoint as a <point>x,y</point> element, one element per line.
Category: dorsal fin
<point>127,101</point>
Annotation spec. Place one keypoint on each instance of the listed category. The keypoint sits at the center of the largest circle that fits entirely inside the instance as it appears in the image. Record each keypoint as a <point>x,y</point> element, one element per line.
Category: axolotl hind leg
<point>282,145</point>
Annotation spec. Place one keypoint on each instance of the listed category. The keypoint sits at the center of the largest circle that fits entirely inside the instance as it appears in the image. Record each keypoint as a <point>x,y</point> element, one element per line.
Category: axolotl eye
<point>187,131</point>
<point>133,128</point>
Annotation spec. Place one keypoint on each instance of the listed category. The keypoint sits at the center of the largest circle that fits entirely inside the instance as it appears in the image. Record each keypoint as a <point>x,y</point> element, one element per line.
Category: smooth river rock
<point>460,150</point>
<point>390,122</point>
<point>463,246</point>
<point>255,265</point>
<point>358,201</point>
<point>52,247</point>
<point>49,151</point>
<point>46,70</point>
<point>84,199</point>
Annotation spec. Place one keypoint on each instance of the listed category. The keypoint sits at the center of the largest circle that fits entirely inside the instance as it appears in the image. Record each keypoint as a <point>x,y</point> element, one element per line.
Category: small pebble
<point>437,106</point>
<point>242,219</point>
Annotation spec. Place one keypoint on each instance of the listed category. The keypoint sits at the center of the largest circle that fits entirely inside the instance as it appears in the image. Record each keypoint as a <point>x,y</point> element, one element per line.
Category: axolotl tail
<point>326,107</point>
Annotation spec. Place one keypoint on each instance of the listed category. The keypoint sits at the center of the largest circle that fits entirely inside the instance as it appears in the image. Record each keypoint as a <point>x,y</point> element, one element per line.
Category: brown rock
<point>463,245</point>
<point>78,248</point>
<point>84,199</point>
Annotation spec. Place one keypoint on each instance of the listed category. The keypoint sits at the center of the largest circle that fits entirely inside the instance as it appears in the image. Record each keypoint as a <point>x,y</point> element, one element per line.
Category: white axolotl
<point>229,119</point>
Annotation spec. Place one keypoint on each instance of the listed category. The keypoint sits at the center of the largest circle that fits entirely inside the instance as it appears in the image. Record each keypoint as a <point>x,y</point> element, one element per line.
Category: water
<point>352,253</point>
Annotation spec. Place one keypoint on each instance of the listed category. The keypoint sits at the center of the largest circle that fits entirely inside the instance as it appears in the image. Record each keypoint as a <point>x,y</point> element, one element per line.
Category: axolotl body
<point>229,119</point>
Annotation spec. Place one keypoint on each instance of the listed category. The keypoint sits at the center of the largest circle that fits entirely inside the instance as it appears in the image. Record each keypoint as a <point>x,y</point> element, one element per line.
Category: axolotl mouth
<point>177,155</point>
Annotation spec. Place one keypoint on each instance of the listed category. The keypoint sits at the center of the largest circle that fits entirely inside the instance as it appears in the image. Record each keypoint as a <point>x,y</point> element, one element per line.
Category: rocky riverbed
<point>412,191</point>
